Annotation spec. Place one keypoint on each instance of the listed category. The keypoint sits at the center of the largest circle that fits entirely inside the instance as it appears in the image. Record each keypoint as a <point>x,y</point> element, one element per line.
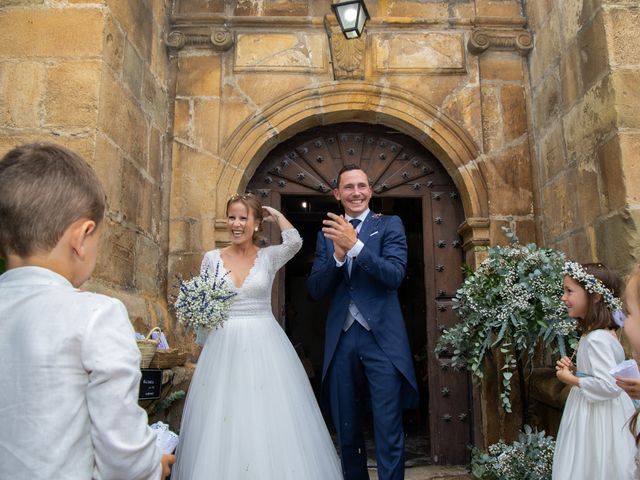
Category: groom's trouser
<point>359,362</point>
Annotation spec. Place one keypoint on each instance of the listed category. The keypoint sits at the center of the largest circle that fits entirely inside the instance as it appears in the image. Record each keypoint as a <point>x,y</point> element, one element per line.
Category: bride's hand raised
<point>270,214</point>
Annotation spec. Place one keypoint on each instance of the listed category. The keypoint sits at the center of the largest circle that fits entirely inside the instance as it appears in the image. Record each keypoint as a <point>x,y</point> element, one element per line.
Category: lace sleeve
<point>207,262</point>
<point>281,254</point>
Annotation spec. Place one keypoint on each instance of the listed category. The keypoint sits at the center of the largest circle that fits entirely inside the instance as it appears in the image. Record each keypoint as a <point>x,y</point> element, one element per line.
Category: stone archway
<point>335,102</point>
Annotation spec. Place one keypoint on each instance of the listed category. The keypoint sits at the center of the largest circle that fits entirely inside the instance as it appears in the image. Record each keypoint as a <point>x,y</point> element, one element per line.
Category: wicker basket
<point>169,358</point>
<point>148,348</point>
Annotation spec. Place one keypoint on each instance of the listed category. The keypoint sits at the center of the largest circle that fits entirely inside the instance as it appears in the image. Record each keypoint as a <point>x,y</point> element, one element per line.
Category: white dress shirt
<point>69,380</point>
<point>353,314</point>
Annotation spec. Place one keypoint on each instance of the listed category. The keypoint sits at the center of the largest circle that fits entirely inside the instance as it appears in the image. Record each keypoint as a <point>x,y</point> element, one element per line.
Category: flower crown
<point>592,285</point>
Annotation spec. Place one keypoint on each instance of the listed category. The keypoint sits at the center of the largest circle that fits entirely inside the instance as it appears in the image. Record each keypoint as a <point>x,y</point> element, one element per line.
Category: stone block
<point>421,53</point>
<point>626,87</point>
<point>22,90</point>
<point>559,207</point>
<point>287,52</point>
<point>620,175</point>
<point>51,33</point>
<point>182,119</point>
<point>150,275</point>
<point>514,112</point>
<point>198,76</point>
<point>546,50</point>
<point>464,107</point>
<point>21,3</point>
<point>547,101</point>
<point>498,8</point>
<point>551,151</point>
<point>81,143</point>
<point>132,70</point>
<point>588,124</point>
<point>108,166</point>
<point>570,76</point>
<point>623,29</point>
<point>194,179</point>
<point>72,94</point>
<point>234,112</point>
<point>491,124</point>
<point>199,6</point>
<point>136,197</point>
<point>116,263</point>
<point>618,243</point>
<point>206,124</point>
<point>121,119</point>
<point>577,246</point>
<point>504,66</point>
<point>160,61</point>
<point>286,8</point>
<point>508,176</point>
<point>184,235</point>
<point>572,19</point>
<point>588,197</point>
<point>155,155</point>
<point>417,9</point>
<point>134,19</point>
<point>113,45</point>
<point>264,89</point>
<point>536,12</point>
<point>592,51</point>
<point>155,101</point>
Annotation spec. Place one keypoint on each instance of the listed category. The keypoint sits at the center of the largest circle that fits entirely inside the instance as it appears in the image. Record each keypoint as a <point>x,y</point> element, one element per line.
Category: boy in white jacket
<point>69,364</point>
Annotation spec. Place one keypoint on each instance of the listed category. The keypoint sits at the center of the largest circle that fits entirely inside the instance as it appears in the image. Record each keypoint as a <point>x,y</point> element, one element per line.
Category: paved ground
<point>431,472</point>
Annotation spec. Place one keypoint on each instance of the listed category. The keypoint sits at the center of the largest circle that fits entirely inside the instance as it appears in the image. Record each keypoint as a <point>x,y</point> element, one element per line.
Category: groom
<point>360,262</point>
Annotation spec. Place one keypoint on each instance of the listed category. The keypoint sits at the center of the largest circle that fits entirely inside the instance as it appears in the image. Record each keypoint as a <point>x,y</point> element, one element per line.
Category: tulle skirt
<point>251,412</point>
<point>594,441</point>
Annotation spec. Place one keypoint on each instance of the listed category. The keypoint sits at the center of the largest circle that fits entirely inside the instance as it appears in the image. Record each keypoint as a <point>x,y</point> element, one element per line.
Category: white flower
<point>204,300</point>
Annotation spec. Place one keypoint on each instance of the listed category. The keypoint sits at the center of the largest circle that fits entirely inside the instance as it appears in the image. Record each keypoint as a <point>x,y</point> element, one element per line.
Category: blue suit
<point>379,357</point>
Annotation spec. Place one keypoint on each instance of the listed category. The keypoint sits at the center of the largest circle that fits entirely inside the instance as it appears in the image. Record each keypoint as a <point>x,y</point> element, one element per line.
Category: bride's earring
<point>256,229</point>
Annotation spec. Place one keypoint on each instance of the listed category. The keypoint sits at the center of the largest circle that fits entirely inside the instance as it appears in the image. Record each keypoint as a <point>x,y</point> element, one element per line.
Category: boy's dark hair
<point>346,168</point>
<point>598,313</point>
<point>44,188</point>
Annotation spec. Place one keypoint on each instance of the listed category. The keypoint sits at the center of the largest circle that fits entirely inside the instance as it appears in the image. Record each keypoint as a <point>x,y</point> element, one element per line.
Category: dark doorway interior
<point>304,319</point>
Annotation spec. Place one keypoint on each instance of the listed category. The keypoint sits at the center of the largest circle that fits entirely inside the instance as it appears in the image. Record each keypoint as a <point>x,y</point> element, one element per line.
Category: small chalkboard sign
<point>150,384</point>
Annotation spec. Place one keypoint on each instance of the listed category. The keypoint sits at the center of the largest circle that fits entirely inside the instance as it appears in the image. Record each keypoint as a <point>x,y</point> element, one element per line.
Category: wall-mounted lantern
<point>351,15</point>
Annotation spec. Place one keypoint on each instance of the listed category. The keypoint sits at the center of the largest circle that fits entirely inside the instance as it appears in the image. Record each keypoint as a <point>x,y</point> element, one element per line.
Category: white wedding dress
<point>250,412</point>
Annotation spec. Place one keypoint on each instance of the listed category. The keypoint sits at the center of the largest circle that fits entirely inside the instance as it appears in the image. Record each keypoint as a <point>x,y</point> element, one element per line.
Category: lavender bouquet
<point>204,300</point>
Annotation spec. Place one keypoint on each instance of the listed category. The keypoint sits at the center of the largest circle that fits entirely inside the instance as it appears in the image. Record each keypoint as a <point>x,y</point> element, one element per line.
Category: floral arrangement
<point>528,458</point>
<point>510,302</point>
<point>204,300</point>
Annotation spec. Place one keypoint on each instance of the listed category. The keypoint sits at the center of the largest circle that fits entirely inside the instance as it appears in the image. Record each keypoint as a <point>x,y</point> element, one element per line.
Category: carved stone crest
<point>347,55</point>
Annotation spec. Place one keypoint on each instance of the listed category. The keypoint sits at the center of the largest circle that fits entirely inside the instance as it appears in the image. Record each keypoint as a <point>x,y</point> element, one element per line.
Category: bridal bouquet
<point>204,300</point>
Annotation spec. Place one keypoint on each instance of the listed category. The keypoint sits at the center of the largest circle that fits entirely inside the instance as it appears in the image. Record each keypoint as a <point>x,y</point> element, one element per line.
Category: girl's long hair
<point>634,279</point>
<point>598,314</point>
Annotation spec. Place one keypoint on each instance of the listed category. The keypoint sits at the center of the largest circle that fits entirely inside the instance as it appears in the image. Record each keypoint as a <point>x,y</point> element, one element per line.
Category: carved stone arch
<point>357,101</point>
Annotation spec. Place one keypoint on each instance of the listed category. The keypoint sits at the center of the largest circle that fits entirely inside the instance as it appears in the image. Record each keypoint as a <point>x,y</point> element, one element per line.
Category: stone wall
<point>584,72</point>
<point>95,76</point>
<point>251,74</point>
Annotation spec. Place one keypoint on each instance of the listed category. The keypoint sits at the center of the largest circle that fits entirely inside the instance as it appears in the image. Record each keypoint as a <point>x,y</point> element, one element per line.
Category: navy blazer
<point>376,274</point>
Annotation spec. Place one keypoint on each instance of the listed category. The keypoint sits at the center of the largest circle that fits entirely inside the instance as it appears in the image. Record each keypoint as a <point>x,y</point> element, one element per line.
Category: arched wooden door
<point>298,177</point>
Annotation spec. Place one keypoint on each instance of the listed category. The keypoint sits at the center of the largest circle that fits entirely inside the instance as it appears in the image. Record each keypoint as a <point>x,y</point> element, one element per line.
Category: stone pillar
<point>95,78</point>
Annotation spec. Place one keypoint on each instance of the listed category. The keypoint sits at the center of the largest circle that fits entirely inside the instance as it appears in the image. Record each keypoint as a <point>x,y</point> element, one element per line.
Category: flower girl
<point>594,440</point>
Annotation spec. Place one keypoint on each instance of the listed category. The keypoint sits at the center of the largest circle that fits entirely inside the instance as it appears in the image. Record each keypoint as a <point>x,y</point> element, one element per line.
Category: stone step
<point>430,472</point>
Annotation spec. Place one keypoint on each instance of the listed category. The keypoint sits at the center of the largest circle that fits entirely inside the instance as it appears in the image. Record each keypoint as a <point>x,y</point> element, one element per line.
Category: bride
<point>250,412</point>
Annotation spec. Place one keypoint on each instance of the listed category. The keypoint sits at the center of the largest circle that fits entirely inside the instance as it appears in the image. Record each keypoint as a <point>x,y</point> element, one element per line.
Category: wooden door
<point>408,181</point>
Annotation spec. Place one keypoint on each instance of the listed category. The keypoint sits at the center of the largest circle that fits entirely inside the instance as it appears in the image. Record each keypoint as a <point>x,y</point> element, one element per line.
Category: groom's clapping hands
<point>341,232</point>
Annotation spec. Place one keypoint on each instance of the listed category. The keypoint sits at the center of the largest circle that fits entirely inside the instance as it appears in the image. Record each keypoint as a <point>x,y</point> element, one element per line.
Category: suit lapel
<point>368,226</point>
